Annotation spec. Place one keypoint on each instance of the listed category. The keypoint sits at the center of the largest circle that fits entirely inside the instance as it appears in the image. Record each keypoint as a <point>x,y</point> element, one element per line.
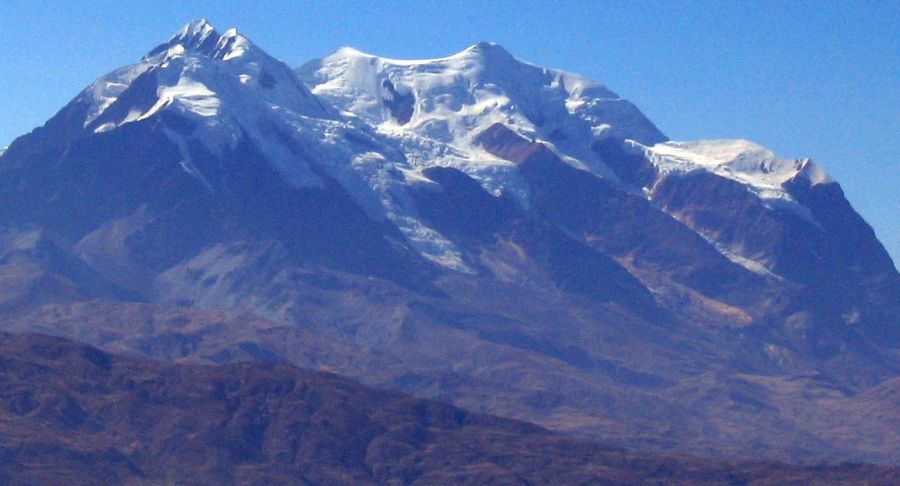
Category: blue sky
<point>804,78</point>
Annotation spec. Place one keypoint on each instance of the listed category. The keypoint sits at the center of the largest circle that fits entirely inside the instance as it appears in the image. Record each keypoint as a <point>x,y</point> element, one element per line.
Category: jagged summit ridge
<point>194,61</point>
<point>223,85</point>
<point>195,32</point>
<point>199,36</point>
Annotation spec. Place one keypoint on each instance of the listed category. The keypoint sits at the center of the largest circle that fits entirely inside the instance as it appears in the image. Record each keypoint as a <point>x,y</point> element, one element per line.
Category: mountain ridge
<point>486,237</point>
<point>74,412</point>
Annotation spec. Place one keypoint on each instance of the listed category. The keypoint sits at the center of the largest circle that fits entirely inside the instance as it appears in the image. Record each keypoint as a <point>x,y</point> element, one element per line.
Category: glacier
<point>374,124</point>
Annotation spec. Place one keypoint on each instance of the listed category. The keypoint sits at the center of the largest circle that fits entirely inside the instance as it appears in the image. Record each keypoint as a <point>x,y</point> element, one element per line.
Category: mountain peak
<point>488,52</point>
<point>488,49</point>
<point>449,99</point>
<point>195,35</point>
<point>200,37</point>
<point>221,83</point>
<point>197,27</point>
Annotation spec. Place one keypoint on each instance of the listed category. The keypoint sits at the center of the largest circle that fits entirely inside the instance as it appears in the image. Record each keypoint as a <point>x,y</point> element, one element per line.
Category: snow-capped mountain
<point>435,109</point>
<point>222,85</point>
<point>755,167</point>
<point>487,114</point>
<point>475,228</point>
<point>210,92</point>
<point>759,171</point>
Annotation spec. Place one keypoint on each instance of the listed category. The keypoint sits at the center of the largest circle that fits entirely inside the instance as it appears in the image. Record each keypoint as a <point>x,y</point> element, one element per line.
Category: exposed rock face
<point>507,238</point>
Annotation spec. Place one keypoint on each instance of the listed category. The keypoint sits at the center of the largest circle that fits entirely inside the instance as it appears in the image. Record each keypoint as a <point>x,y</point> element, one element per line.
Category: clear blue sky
<point>818,79</point>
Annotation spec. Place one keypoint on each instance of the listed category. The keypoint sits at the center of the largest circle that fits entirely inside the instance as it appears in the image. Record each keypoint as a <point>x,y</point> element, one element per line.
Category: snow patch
<point>198,30</point>
<point>187,162</point>
<point>735,256</point>
<point>106,90</point>
<point>190,95</point>
<point>105,127</point>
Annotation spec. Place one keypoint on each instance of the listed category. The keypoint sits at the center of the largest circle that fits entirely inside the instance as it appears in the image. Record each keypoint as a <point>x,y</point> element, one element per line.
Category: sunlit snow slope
<point>436,109</point>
